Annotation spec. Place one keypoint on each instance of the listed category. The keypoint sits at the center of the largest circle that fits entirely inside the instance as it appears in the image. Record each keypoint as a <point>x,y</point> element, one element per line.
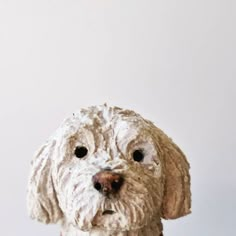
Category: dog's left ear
<point>42,201</point>
<point>177,195</point>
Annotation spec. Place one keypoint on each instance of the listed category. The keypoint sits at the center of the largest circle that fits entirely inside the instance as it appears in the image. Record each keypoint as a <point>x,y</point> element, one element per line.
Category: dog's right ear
<point>42,202</point>
<point>177,193</point>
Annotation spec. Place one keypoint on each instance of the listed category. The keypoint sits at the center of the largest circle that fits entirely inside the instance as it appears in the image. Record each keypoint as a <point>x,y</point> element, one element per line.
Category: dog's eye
<point>138,155</point>
<point>81,152</point>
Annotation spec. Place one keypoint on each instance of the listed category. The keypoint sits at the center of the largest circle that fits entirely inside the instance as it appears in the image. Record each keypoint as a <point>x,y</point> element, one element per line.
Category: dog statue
<point>107,171</point>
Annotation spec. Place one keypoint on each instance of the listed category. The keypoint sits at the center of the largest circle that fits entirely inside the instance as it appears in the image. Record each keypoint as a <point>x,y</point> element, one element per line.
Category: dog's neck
<point>154,229</point>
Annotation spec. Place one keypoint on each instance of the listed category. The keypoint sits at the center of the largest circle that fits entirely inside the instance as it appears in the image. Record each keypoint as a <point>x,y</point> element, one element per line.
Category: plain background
<point>172,61</point>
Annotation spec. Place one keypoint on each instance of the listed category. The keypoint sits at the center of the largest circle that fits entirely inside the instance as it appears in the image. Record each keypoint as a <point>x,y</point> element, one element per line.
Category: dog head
<point>110,168</point>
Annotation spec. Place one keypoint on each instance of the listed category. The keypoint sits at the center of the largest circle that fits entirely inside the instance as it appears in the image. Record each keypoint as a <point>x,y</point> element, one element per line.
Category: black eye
<point>138,155</point>
<point>81,152</point>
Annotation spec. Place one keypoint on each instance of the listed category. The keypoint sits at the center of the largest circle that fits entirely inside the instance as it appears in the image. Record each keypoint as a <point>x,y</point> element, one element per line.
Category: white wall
<point>172,61</point>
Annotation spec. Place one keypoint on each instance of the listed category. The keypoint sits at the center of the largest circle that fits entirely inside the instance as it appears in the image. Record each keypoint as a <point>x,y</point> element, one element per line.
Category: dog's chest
<point>154,229</point>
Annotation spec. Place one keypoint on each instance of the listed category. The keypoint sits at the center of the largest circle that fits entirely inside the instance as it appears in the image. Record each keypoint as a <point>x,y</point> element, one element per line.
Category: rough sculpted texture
<point>65,187</point>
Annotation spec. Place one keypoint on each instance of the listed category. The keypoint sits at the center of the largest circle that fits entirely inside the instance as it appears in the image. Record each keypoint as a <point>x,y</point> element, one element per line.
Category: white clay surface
<point>60,186</point>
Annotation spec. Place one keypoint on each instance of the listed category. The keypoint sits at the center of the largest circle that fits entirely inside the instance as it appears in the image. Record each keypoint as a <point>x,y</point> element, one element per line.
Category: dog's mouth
<point>102,216</point>
<point>108,212</point>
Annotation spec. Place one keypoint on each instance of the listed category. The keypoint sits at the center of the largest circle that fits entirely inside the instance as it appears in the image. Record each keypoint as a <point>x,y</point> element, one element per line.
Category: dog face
<point>110,168</point>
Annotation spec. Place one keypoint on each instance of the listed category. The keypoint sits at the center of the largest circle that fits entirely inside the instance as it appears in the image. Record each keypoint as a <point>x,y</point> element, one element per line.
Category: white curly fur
<point>60,187</point>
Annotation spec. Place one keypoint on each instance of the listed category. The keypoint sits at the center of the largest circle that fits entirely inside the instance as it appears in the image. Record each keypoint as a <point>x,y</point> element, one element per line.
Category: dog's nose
<point>107,182</point>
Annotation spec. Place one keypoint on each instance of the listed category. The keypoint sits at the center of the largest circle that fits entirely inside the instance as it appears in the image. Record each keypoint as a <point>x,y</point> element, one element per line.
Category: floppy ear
<point>177,195</point>
<point>42,201</point>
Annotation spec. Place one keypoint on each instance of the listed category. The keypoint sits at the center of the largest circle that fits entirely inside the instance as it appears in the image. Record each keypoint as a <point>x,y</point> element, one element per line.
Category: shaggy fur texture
<point>61,189</point>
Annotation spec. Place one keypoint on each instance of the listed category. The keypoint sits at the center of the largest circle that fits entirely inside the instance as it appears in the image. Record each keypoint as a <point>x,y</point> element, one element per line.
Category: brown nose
<point>107,182</point>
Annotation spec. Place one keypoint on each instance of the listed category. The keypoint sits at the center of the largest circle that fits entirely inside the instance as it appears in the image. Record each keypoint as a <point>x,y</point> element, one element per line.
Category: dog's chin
<point>110,220</point>
<point>125,212</point>
<point>115,217</point>
<point>122,215</point>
